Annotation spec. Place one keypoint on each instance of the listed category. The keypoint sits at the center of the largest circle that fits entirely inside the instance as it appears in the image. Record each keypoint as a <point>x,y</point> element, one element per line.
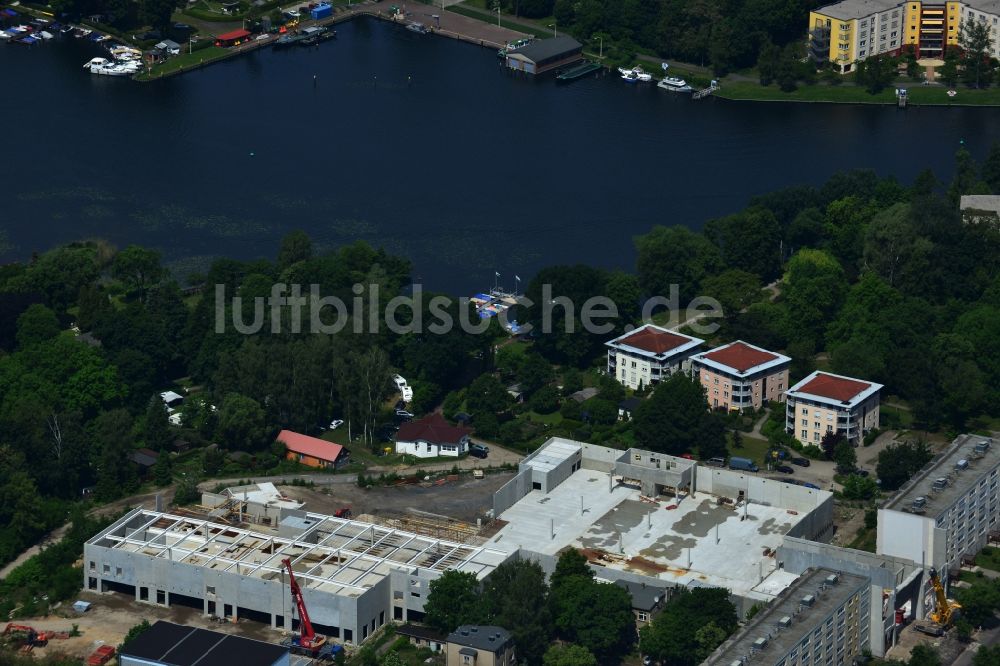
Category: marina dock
<point>579,71</point>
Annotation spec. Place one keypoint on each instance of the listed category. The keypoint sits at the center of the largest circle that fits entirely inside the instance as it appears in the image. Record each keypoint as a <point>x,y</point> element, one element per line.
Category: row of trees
<point>727,35</point>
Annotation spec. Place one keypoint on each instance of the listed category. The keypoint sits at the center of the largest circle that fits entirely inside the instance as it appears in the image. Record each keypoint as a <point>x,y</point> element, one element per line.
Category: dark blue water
<point>417,143</point>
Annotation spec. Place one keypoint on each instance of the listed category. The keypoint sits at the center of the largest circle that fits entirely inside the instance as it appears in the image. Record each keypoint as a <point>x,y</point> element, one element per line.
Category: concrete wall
<point>512,492</point>
<point>599,458</point>
<point>906,535</point>
<point>548,479</point>
<point>728,483</point>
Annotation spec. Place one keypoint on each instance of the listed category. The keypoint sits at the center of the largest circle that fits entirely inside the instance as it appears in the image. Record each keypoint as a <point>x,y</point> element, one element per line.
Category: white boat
<point>636,74</point>
<point>107,67</point>
<point>674,84</point>
<point>416,27</point>
<point>46,35</point>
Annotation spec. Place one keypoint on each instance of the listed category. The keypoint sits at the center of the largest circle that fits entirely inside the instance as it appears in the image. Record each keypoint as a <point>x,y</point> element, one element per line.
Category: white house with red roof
<point>312,451</point>
<point>432,436</point>
<point>648,354</point>
<point>741,376</point>
<point>824,402</point>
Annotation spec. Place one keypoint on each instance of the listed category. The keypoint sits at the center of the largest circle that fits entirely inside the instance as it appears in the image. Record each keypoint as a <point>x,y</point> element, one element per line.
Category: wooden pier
<point>705,92</point>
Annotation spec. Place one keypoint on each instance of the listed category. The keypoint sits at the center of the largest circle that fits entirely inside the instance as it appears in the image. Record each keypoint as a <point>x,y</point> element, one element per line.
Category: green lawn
<point>848,93</point>
<point>510,25</point>
<point>551,419</point>
<point>184,61</point>
<point>989,558</point>
<point>753,448</point>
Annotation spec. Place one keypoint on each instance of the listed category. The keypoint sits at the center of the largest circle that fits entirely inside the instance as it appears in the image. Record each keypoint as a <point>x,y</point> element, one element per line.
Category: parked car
<point>784,469</point>
<point>403,414</point>
<point>478,450</point>
<point>801,462</point>
<point>716,462</point>
<point>398,381</point>
<point>336,423</point>
<point>810,485</point>
<point>861,472</point>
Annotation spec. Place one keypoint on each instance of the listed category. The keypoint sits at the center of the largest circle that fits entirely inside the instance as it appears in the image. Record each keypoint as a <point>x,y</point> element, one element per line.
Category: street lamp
<point>555,27</point>
<point>190,45</point>
<point>601,55</point>
<point>498,16</point>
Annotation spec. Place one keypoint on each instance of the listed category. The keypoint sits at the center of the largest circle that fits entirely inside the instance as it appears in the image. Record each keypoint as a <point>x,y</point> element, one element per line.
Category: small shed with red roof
<point>432,436</point>
<point>312,451</point>
<point>232,38</point>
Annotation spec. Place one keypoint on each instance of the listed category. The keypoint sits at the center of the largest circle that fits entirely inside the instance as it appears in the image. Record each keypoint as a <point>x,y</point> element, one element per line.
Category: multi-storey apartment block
<point>847,32</point>
<point>648,354</point>
<point>947,510</point>
<point>821,619</point>
<point>741,376</point>
<point>824,402</point>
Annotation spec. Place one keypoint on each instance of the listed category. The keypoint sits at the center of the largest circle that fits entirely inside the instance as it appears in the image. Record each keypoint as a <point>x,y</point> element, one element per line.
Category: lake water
<point>418,143</point>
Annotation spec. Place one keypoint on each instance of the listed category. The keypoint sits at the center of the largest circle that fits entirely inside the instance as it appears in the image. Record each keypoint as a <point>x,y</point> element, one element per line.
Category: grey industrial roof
<point>543,49</point>
<point>983,202</point>
<point>943,466</point>
<point>177,645</point>
<point>765,624</point>
<point>644,597</point>
<point>482,637</point>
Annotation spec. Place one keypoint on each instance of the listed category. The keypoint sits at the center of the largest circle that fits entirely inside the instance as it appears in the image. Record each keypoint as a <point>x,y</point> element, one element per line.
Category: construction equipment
<point>31,637</point>
<point>946,610</point>
<point>308,642</point>
<point>343,512</point>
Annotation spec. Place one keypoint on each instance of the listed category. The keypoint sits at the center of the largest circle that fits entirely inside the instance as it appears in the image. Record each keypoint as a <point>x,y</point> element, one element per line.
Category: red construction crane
<point>308,639</point>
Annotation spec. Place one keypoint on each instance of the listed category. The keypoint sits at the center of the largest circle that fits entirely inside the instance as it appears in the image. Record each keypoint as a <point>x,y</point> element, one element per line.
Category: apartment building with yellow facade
<point>741,376</point>
<point>824,402</point>
<point>848,32</point>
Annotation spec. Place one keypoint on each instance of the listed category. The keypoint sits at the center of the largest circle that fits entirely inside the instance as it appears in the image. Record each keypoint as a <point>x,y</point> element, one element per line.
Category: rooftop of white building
<point>782,625</point>
<point>655,342</point>
<point>834,390</point>
<point>962,465</point>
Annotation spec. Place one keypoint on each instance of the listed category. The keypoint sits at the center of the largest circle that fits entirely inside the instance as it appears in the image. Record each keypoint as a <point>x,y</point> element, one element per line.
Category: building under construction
<point>355,576</point>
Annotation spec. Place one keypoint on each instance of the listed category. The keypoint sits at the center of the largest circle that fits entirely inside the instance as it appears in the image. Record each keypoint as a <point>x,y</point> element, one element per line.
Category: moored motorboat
<point>636,74</point>
<point>674,84</point>
<point>416,27</point>
<point>46,35</point>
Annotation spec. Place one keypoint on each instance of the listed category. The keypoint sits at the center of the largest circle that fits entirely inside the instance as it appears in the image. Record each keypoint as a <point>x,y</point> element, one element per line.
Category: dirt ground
<point>948,646</point>
<point>848,523</point>
<point>466,499</point>
<point>113,614</point>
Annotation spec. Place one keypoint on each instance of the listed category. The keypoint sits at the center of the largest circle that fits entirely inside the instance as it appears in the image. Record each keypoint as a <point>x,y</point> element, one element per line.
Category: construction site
<point>354,575</point>
<point>645,516</point>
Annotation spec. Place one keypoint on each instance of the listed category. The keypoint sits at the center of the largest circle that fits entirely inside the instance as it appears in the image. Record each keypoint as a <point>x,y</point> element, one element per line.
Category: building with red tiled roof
<point>824,402</point>
<point>648,354</point>
<point>312,451</point>
<point>432,436</point>
<point>741,376</point>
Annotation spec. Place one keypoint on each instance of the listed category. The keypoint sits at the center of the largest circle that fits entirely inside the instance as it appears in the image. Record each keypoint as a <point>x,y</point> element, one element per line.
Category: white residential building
<point>648,355</point>
<point>432,436</point>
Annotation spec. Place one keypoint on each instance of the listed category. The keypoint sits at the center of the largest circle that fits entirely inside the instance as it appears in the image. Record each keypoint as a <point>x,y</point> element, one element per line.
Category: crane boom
<point>307,635</point>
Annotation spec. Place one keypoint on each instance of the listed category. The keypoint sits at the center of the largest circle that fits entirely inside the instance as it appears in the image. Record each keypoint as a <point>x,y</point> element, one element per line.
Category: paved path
<point>49,539</point>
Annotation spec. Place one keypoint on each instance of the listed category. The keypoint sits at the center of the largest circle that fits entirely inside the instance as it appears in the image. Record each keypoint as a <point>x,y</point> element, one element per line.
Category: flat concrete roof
<point>943,466</point>
<point>619,530</point>
<point>856,9</point>
<point>334,555</point>
<point>555,451</point>
<point>780,640</point>
<point>981,202</point>
<point>263,493</point>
